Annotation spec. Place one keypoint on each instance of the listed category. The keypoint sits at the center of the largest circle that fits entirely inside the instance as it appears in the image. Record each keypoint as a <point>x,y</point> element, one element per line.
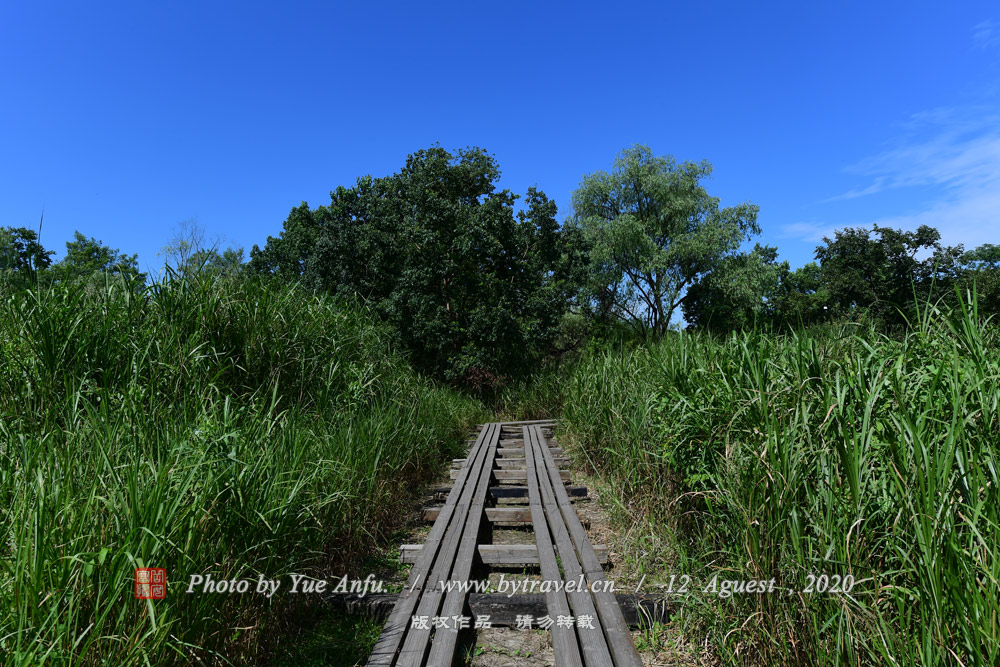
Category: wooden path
<point>591,629</point>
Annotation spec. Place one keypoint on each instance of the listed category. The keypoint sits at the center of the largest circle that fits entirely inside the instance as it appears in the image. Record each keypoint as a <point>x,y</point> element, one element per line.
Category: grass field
<point>240,429</point>
<point>206,427</point>
<point>838,452</point>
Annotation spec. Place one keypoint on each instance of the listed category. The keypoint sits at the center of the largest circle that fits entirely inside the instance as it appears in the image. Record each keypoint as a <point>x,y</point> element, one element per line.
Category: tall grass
<point>203,426</point>
<point>837,452</point>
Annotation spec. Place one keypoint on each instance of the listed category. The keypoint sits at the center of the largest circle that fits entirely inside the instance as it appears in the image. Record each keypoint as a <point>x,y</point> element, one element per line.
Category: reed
<point>204,426</point>
<point>836,451</point>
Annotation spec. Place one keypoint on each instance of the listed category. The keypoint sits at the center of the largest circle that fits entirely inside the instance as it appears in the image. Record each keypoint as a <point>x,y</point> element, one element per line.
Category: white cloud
<point>951,157</point>
<point>986,35</point>
<point>877,186</point>
<point>812,232</point>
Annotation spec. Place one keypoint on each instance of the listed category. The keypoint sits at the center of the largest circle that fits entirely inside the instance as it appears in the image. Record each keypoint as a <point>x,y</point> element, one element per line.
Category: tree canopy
<point>480,284</point>
<point>474,288</point>
<point>21,253</point>
<point>88,256</point>
<point>653,232</point>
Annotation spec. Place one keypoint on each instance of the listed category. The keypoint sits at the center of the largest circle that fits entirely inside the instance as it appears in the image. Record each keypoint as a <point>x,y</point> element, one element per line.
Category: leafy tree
<point>738,293</point>
<point>801,299</point>
<point>878,270</point>
<point>653,233</point>
<point>981,271</point>
<point>986,256</point>
<point>209,261</point>
<point>87,256</point>
<point>474,290</point>
<point>22,255</point>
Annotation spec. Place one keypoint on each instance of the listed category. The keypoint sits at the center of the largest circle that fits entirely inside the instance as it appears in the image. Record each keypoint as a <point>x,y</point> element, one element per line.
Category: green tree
<point>878,270</point>
<point>22,255</point>
<point>801,298</point>
<point>738,293</point>
<point>474,289</point>
<point>88,256</point>
<point>981,272</point>
<point>653,233</point>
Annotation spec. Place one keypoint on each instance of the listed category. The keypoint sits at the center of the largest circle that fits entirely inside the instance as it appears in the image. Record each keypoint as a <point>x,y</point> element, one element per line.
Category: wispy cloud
<point>812,232</point>
<point>986,35</point>
<point>951,158</point>
<point>877,186</point>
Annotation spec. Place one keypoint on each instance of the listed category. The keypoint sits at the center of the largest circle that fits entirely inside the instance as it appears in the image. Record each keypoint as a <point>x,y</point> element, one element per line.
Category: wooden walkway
<point>591,628</point>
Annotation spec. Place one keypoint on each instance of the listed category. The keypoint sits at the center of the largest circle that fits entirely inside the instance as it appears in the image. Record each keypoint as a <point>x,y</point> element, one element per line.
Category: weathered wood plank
<point>495,514</point>
<point>442,651</point>
<point>511,462</point>
<point>514,475</point>
<point>393,632</point>
<point>615,630</point>
<point>455,555</point>
<point>573,491</point>
<point>508,515</point>
<point>592,643</point>
<point>564,641</point>
<point>518,452</point>
<point>639,611</point>
<point>538,422</point>
<point>499,554</point>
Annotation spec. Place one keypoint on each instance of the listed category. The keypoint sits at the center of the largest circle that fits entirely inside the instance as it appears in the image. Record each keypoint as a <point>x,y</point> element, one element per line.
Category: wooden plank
<point>538,422</point>
<point>639,611</point>
<point>522,491</point>
<point>469,511</point>
<point>446,639</point>
<point>393,632</point>
<point>511,462</point>
<point>592,642</point>
<point>615,630</point>
<point>573,491</point>
<point>508,515</point>
<point>564,640</point>
<point>495,514</point>
<point>498,554</point>
<point>514,475</point>
<point>518,452</point>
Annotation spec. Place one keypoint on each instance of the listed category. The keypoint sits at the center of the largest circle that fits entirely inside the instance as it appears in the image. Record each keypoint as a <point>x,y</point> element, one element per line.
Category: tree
<point>188,239</point>
<point>801,299</point>
<point>986,256</point>
<point>189,254</point>
<point>877,270</point>
<point>981,272</point>
<point>738,293</point>
<point>87,256</point>
<point>474,290</point>
<point>653,232</point>
<point>22,255</point>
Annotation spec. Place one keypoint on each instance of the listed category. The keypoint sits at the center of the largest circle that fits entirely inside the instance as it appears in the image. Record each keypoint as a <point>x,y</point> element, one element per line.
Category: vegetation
<point>652,232</point>
<point>232,419</point>
<point>22,255</point>
<point>839,452</point>
<point>86,257</point>
<point>222,427</point>
<point>474,290</point>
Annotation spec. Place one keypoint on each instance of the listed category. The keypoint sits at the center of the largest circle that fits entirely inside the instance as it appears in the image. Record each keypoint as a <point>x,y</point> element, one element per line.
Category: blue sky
<point>123,119</point>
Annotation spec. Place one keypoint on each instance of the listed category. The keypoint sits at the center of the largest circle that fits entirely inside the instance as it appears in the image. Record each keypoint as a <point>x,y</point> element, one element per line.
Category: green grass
<point>837,451</point>
<point>207,427</point>
<point>333,641</point>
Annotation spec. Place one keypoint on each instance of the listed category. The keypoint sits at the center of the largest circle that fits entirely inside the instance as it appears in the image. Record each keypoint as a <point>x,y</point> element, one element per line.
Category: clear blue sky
<point>123,119</point>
